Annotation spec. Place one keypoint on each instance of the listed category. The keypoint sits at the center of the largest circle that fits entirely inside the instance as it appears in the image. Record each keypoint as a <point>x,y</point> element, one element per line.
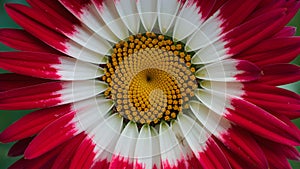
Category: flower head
<point>151,84</point>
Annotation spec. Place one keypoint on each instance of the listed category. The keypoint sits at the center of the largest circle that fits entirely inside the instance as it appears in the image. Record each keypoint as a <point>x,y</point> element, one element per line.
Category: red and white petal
<point>167,11</point>
<point>236,139</point>
<point>90,40</point>
<point>87,13</point>
<point>148,13</point>
<point>50,94</point>
<point>123,155</point>
<point>233,108</point>
<point>171,154</point>
<point>128,12</point>
<point>79,52</point>
<point>109,14</point>
<point>208,33</point>
<point>204,147</point>
<point>32,24</point>
<point>229,70</point>
<point>146,154</point>
<point>270,98</point>
<point>71,69</point>
<point>70,27</point>
<point>190,160</point>
<point>80,118</point>
<point>97,148</point>
<point>190,17</point>
<point>48,66</point>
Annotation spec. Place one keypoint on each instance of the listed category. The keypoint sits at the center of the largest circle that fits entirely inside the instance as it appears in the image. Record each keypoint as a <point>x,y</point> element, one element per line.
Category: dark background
<point>7,117</point>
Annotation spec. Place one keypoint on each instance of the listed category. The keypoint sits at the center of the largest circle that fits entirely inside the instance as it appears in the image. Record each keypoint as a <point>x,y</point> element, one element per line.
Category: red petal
<point>32,123</point>
<point>254,119</point>
<point>21,40</point>
<point>123,162</point>
<point>37,96</point>
<point>104,164</point>
<point>10,81</point>
<point>30,63</point>
<point>19,147</point>
<point>213,156</point>
<point>235,17</point>
<point>61,18</point>
<point>240,142</point>
<point>35,23</point>
<point>286,32</point>
<point>84,156</point>
<point>272,51</point>
<point>63,160</point>
<point>280,74</point>
<point>52,136</point>
<point>44,161</point>
<point>263,26</point>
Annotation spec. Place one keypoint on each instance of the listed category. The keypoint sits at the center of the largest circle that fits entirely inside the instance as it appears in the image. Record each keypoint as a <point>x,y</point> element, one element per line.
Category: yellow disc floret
<point>150,78</point>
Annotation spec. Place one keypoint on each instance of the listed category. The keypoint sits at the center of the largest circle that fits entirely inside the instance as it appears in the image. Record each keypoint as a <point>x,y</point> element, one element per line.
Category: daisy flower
<point>150,84</point>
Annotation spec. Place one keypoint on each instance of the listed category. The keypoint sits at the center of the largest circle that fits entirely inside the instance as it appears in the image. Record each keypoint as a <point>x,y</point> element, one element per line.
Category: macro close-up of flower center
<point>150,78</point>
<point>151,84</point>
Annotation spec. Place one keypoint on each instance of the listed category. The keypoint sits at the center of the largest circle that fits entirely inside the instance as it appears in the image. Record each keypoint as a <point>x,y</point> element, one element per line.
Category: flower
<point>151,84</point>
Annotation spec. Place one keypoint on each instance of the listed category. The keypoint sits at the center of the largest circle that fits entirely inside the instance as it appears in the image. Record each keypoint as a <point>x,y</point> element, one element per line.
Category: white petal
<point>231,88</point>
<point>155,149</point>
<point>72,69</point>
<point>126,144</point>
<point>207,34</point>
<point>80,90</point>
<point>195,135</point>
<point>105,136</point>
<point>144,149</point>
<point>170,151</point>
<point>91,111</point>
<point>184,146</point>
<point>109,14</point>
<point>213,122</point>
<point>187,21</point>
<point>148,13</point>
<point>217,102</point>
<point>211,53</point>
<point>129,14</point>
<point>84,54</point>
<point>225,70</point>
<point>167,11</point>
<point>88,39</point>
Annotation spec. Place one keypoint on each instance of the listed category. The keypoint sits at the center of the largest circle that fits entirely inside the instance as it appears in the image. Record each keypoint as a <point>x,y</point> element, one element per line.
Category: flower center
<point>150,77</point>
